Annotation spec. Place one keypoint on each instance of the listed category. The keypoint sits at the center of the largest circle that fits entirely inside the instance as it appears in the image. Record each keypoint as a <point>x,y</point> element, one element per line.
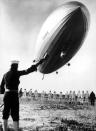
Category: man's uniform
<point>11,100</point>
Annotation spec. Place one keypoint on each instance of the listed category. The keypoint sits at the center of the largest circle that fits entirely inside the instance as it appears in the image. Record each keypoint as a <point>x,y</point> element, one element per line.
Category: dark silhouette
<point>92,98</point>
<point>9,86</point>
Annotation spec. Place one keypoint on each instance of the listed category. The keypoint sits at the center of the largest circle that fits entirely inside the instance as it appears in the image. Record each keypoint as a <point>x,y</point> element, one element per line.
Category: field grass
<point>55,116</point>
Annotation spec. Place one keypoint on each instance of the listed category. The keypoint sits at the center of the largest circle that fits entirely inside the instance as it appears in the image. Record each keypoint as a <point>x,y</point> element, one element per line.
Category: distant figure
<point>36,94</point>
<point>82,97</point>
<point>66,97</point>
<point>73,96</point>
<point>9,86</point>
<point>87,97</point>
<point>49,95</point>
<point>42,96</point>
<point>25,93</point>
<point>79,97</point>
<point>60,96</point>
<point>92,98</point>
<point>70,96</point>
<point>20,92</point>
<point>54,96</point>
<point>30,93</point>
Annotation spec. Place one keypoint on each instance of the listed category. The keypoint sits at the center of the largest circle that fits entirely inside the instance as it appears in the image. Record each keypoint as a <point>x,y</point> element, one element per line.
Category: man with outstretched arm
<point>9,86</point>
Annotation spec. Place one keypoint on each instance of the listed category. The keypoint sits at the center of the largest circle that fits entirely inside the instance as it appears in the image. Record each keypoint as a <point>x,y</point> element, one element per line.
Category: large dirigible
<point>62,35</point>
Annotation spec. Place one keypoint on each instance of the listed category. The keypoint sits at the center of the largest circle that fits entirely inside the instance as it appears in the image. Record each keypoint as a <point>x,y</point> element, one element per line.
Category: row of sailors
<point>71,96</point>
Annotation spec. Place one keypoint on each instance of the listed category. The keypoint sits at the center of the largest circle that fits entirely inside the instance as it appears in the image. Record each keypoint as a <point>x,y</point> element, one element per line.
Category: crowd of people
<point>71,96</point>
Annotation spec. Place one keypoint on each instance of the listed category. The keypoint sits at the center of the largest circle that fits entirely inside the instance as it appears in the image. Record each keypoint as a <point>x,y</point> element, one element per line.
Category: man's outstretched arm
<point>32,68</point>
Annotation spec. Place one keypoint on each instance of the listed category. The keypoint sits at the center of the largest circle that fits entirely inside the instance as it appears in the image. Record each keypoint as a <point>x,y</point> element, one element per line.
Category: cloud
<point>21,21</point>
<point>26,13</point>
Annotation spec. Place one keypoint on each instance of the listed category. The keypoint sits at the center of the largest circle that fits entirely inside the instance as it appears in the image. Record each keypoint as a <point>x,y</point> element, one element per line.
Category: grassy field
<point>54,116</point>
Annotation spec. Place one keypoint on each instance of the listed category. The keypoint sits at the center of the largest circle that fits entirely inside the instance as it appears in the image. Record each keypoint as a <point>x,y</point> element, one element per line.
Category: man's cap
<point>15,62</point>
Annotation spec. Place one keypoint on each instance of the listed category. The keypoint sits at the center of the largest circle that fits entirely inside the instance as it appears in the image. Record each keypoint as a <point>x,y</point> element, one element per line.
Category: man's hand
<point>43,59</point>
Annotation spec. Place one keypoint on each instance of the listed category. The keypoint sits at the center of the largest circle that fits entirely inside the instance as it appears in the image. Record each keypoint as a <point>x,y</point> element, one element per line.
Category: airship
<point>61,35</point>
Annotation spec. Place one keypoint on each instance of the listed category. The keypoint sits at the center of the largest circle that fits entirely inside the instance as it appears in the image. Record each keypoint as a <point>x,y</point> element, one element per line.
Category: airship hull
<point>65,37</point>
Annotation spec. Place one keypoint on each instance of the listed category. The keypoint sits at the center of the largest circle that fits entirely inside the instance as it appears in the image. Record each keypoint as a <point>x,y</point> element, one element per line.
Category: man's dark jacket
<point>11,78</point>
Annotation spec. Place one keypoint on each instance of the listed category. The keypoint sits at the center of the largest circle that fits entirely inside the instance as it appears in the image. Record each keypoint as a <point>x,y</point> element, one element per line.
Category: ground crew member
<point>9,86</point>
<point>92,98</point>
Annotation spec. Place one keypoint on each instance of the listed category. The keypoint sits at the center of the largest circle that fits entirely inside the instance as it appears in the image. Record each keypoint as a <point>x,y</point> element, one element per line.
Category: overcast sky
<point>20,23</point>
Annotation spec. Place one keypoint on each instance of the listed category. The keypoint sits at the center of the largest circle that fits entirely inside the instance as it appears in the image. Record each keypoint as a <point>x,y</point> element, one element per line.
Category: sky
<point>20,24</point>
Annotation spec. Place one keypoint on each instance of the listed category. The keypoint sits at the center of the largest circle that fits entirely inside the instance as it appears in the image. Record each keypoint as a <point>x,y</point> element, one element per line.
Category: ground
<point>55,116</point>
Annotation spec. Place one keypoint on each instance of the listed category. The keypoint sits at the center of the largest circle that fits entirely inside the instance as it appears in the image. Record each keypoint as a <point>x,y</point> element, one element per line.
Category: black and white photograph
<point>47,65</point>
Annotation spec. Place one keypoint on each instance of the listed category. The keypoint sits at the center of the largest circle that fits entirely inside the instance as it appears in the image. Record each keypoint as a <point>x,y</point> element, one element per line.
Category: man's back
<point>12,80</point>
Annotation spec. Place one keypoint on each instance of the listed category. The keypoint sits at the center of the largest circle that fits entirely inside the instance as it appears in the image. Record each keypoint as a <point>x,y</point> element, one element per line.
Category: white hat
<point>14,62</point>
